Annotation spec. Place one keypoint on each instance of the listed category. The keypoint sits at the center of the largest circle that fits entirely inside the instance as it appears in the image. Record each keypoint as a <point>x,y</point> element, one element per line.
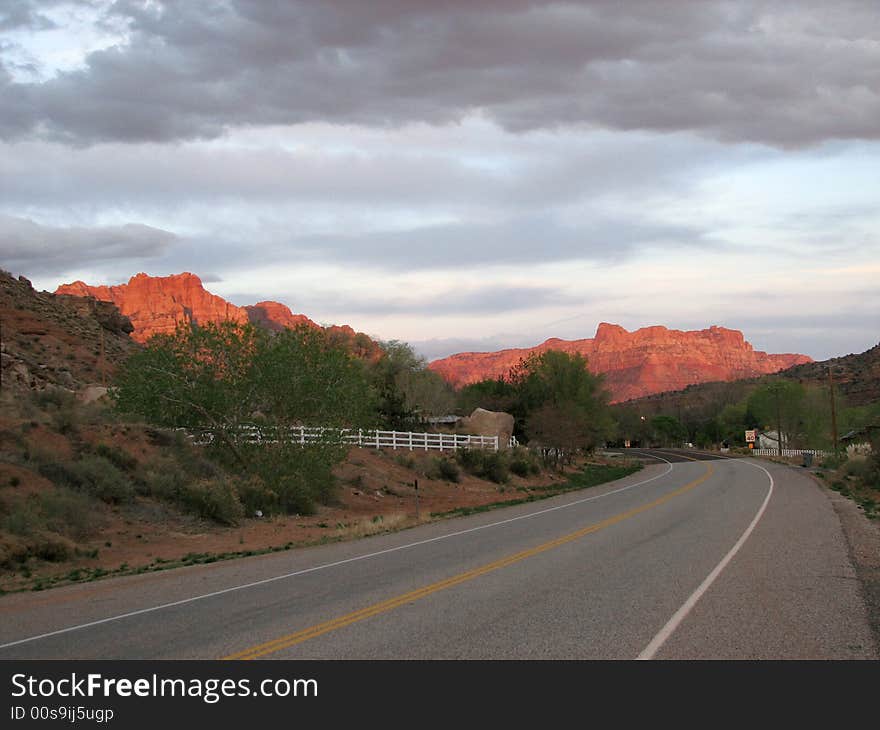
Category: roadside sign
<point>626,444</point>
<point>750,436</point>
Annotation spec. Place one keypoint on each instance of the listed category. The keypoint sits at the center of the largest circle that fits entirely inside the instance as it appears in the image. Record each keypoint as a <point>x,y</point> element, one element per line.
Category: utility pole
<point>833,409</point>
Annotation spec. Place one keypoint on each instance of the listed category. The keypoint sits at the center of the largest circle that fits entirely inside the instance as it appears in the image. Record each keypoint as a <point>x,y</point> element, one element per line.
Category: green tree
<point>668,430</point>
<point>407,389</point>
<point>221,378</point>
<point>565,406</point>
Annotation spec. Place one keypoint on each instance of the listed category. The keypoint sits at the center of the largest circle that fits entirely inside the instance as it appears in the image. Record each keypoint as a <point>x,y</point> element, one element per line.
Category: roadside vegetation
<point>81,481</point>
<point>856,477</point>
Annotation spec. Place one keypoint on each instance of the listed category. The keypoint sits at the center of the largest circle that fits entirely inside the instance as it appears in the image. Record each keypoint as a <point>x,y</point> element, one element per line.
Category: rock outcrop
<point>635,364</point>
<point>488,423</point>
<point>276,316</point>
<point>158,304</point>
<point>51,341</point>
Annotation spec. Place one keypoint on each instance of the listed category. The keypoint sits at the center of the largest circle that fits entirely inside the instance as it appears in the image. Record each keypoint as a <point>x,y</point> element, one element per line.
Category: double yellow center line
<point>285,642</point>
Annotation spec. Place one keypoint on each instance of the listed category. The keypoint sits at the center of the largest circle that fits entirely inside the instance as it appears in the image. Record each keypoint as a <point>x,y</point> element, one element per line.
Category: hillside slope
<point>57,340</point>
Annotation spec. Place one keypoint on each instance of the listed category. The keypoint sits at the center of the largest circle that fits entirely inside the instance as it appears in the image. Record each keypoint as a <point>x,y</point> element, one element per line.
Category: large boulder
<point>488,423</point>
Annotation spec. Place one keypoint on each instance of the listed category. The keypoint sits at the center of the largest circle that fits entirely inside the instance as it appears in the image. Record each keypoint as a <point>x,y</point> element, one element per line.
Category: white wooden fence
<point>367,438</point>
<point>789,452</point>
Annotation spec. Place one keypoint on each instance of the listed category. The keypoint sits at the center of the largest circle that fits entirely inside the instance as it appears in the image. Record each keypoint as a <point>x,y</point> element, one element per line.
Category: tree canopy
<point>217,378</point>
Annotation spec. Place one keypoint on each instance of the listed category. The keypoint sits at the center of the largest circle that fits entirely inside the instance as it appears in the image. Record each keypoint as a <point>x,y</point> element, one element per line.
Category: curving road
<point>693,557</point>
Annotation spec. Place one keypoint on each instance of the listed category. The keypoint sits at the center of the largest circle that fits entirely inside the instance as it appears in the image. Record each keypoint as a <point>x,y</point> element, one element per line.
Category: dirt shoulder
<point>863,541</point>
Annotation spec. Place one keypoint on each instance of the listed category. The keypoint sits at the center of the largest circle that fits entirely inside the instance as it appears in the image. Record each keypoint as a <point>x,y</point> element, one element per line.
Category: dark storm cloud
<point>768,71</point>
<point>36,249</point>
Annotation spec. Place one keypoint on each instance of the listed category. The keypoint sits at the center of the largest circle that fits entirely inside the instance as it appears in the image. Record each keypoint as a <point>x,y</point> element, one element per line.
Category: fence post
<point>394,440</point>
<point>496,443</point>
<point>410,440</point>
<point>377,438</point>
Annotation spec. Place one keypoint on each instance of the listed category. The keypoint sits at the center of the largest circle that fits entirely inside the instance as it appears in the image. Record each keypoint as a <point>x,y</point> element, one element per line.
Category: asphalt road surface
<point>692,557</point>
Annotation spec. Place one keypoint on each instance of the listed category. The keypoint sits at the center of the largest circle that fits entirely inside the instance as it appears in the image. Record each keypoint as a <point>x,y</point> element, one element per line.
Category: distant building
<point>858,442</point>
<point>770,440</point>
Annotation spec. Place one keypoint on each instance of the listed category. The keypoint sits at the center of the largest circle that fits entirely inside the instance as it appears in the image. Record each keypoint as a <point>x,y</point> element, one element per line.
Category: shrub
<point>100,478</point>
<point>491,465</point>
<point>118,457</point>
<point>255,495</point>
<point>161,479</point>
<point>59,473</point>
<point>444,469</point>
<point>52,548</point>
<point>858,467</point>
<point>215,500</point>
<point>523,463</point>
<point>68,513</point>
<point>22,520</point>
<point>408,462</point>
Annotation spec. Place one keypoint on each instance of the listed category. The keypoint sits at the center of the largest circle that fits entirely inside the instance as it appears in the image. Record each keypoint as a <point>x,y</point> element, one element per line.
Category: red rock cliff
<point>635,364</point>
<point>276,316</point>
<point>156,304</point>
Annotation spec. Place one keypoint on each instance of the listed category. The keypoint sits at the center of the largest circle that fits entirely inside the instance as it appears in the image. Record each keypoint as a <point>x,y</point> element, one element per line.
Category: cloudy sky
<point>457,174</point>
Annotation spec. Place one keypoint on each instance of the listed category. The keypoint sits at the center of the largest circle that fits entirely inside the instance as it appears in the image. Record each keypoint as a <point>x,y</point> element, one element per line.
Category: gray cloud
<point>46,250</point>
<point>475,300</point>
<point>759,70</point>
<point>523,240</point>
<point>437,172</point>
<point>19,14</point>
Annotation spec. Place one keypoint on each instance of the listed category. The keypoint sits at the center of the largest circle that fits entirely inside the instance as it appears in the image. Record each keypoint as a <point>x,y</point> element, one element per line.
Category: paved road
<point>685,559</point>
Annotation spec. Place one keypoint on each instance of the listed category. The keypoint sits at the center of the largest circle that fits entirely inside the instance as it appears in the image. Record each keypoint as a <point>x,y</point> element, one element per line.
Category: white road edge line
<point>650,651</point>
<point>316,568</point>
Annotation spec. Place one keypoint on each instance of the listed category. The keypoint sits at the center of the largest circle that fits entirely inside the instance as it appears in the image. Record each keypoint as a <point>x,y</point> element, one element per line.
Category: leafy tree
<point>493,394</point>
<point>565,405</point>
<point>220,377</point>
<point>407,390</point>
<point>668,430</point>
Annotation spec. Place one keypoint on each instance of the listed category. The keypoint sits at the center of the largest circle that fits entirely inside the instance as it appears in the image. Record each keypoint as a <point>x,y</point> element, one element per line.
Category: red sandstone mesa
<point>649,360</point>
<point>156,304</point>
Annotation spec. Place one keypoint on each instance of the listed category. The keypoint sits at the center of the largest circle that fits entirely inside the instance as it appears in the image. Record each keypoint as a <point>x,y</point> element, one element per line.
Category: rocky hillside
<point>856,376</point>
<point>57,340</point>
<point>635,364</point>
<point>157,304</point>
<point>856,383</point>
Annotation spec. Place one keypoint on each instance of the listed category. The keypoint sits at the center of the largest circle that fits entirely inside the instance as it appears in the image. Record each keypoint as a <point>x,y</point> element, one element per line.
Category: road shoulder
<point>863,544</point>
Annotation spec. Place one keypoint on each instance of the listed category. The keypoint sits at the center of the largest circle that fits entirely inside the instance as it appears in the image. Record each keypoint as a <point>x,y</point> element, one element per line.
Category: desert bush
<point>98,477</point>
<point>161,479</point>
<point>120,458</point>
<point>61,407</point>
<point>858,467</point>
<point>406,461</point>
<point>523,462</point>
<point>254,495</point>
<point>23,519</point>
<point>68,513</point>
<point>214,499</point>
<point>53,548</point>
<point>444,469</point>
<point>484,464</point>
